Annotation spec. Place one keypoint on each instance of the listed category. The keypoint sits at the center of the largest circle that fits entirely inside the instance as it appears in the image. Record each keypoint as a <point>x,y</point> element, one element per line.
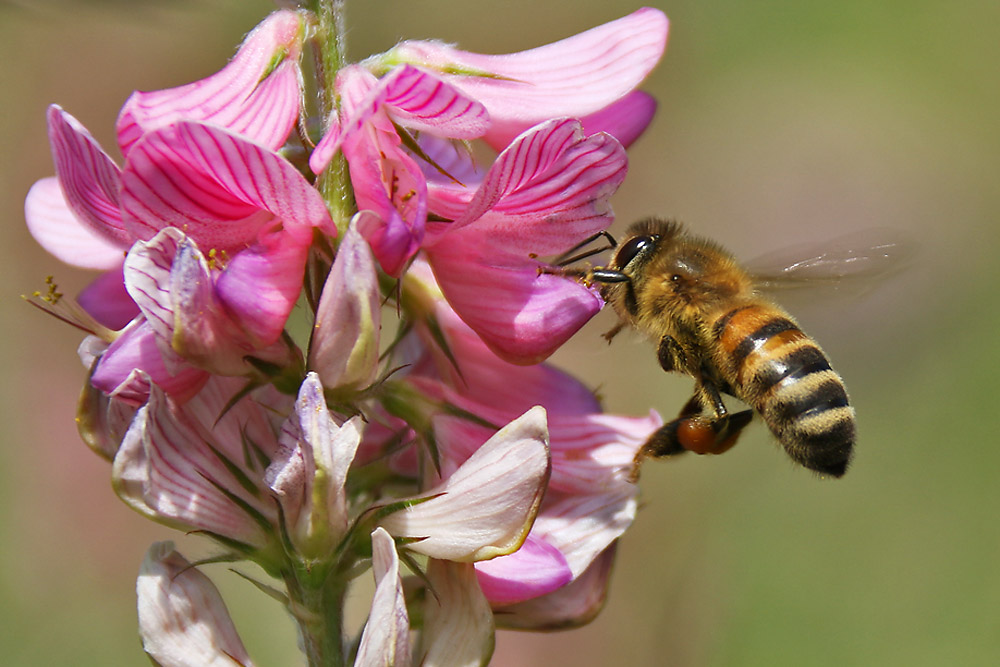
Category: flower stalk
<point>478,483</point>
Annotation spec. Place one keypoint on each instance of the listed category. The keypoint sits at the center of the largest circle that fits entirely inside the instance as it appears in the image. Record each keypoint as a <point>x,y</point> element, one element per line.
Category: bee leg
<point>673,358</point>
<point>615,330</point>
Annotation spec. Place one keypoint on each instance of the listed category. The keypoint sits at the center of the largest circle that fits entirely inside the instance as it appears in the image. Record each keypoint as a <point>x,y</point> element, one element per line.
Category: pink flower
<point>77,216</point>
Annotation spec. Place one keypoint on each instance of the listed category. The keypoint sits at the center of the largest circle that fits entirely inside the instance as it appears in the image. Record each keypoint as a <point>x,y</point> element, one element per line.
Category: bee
<point>710,321</point>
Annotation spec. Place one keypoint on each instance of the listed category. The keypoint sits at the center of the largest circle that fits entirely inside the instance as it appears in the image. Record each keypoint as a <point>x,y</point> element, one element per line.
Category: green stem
<point>334,183</point>
<point>319,612</point>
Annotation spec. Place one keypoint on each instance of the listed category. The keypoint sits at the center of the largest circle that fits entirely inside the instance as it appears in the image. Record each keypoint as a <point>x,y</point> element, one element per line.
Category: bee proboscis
<point>711,322</point>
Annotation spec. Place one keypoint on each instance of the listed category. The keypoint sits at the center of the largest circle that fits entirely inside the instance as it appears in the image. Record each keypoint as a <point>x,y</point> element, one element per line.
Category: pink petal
<point>420,101</point>
<point>138,348</point>
<point>221,189</point>
<point>257,95</point>
<point>535,569</point>
<point>63,235</point>
<point>521,315</point>
<point>571,606</point>
<point>261,285</point>
<point>386,637</point>
<point>486,507</point>
<point>327,146</point>
<point>182,618</point>
<point>573,77</point>
<point>625,119</point>
<point>458,626</point>
<point>90,181</point>
<point>107,300</point>
<point>344,349</point>
<point>546,192</point>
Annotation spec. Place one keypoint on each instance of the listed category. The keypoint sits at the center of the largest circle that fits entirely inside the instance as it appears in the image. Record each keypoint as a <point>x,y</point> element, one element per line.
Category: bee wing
<point>849,264</point>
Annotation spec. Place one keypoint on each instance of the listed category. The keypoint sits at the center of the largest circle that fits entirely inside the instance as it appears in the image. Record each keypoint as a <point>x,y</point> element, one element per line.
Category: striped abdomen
<point>780,372</point>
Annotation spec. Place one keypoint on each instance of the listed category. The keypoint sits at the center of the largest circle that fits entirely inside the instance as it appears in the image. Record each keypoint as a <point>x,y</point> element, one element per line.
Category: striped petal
<point>257,95</point>
<point>386,637</point>
<point>57,229</point>
<point>573,77</point>
<point>523,316</point>
<point>182,618</point>
<point>107,300</point>
<point>166,469</point>
<point>221,189</point>
<point>89,179</point>
<point>487,505</point>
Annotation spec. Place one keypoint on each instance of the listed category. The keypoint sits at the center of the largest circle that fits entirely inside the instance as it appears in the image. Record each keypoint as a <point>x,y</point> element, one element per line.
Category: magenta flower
<point>77,215</point>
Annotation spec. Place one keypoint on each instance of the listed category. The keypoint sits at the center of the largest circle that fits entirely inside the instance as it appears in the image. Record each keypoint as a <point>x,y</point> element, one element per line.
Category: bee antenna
<point>568,258</point>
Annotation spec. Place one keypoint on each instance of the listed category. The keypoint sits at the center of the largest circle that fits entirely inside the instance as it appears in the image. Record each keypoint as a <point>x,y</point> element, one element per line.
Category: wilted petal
<point>166,470</point>
<point>256,95</point>
<point>568,607</point>
<point>309,472</point>
<point>535,569</point>
<point>63,235</point>
<point>90,181</point>
<point>344,348</point>
<point>386,637</point>
<point>458,626</point>
<point>182,618</point>
<point>573,77</point>
<point>487,506</point>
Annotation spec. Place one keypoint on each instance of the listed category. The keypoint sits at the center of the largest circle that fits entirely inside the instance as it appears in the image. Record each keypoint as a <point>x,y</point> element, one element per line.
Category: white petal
<point>458,626</point>
<point>386,637</point>
<point>486,508</point>
<point>182,618</point>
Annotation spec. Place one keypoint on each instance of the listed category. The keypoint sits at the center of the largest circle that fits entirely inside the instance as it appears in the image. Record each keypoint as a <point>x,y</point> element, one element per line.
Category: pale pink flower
<point>182,618</point>
<point>386,636</point>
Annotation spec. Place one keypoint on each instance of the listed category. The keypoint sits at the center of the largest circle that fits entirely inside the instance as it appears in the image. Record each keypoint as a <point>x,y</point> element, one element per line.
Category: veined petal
<point>63,235</point>
<point>568,607</point>
<point>386,637</point>
<point>537,568</point>
<point>147,278</point>
<point>220,188</point>
<point>625,119</point>
<point>344,349</point>
<point>257,95</point>
<point>310,470</point>
<point>523,316</point>
<point>90,181</point>
<point>166,470</point>
<point>487,506</point>
<point>458,626</point>
<point>547,191</point>
<point>182,618</point>
<point>572,77</point>
<point>107,300</point>
<point>423,102</point>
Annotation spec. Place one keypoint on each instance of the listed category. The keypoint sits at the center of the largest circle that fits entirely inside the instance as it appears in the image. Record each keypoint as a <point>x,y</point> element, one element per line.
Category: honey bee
<point>711,322</point>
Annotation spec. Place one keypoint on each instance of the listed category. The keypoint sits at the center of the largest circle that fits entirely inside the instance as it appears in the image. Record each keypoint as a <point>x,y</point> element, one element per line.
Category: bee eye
<point>631,248</point>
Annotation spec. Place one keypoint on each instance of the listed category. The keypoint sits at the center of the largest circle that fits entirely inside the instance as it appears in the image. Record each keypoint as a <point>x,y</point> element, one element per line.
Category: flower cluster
<point>480,484</point>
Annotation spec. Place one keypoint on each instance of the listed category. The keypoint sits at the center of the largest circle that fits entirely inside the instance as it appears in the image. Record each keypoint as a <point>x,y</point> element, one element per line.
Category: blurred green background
<point>780,122</point>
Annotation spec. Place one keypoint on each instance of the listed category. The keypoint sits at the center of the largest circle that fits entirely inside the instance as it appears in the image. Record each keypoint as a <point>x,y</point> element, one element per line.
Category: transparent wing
<point>850,264</point>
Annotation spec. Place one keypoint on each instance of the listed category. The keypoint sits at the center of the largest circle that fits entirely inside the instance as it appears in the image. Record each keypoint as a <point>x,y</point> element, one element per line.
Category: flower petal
<point>569,607</point>
<point>537,568</point>
<point>257,95</point>
<point>344,349</point>
<point>572,77</point>
<point>62,234</point>
<point>90,181</point>
<point>386,637</point>
<point>625,119</point>
<point>422,102</point>
<point>166,470</point>
<point>182,618</point>
<point>486,507</point>
<point>458,626</point>
<point>107,300</point>
<point>221,189</point>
